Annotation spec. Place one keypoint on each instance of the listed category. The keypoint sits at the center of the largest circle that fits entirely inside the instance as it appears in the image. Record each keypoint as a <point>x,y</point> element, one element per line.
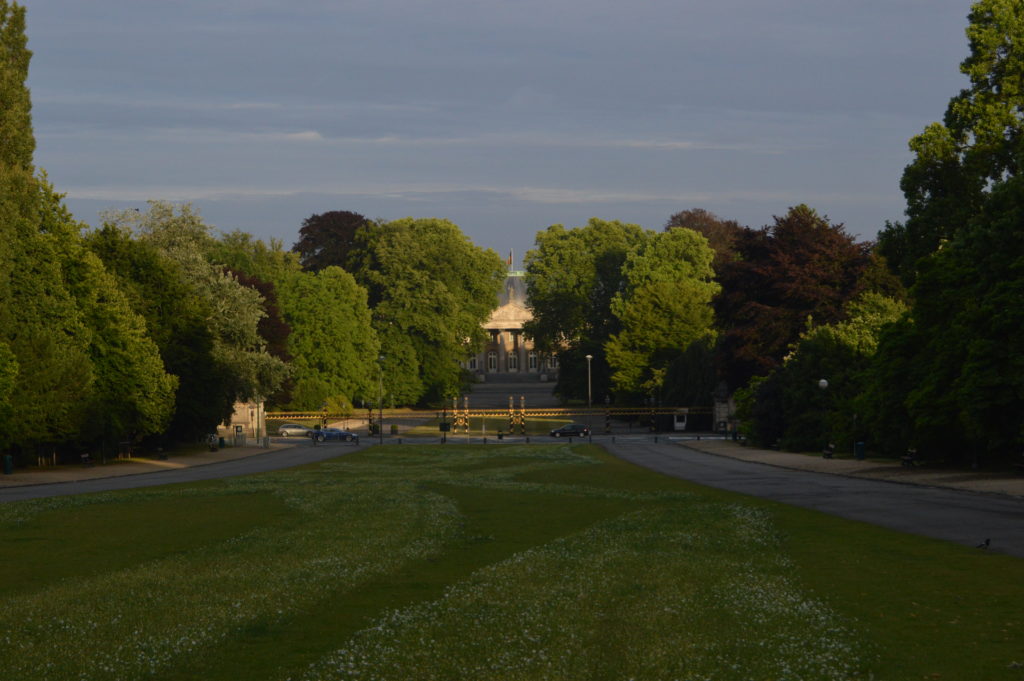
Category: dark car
<point>571,430</point>
<point>334,434</point>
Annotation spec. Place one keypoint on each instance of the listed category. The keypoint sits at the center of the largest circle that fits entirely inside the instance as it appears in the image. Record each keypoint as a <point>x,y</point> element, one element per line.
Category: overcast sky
<point>504,116</point>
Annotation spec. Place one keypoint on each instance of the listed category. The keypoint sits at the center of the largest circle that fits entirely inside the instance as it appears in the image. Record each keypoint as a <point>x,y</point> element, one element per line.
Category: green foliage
<point>954,372</point>
<point>572,277</point>
<point>40,323</point>
<point>721,234</point>
<point>664,308</point>
<point>233,311</point>
<point>430,290</point>
<point>978,144</point>
<point>801,267</point>
<point>690,378</point>
<point>333,343</point>
<point>789,406</point>
<point>333,348</point>
<point>17,143</point>
<point>175,316</point>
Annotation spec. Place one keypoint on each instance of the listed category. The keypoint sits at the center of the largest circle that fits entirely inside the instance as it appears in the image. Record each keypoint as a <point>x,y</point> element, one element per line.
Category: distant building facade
<point>509,354</point>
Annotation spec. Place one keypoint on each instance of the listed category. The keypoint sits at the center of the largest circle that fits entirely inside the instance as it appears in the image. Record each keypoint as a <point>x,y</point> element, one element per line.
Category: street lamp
<point>589,357</point>
<point>829,447</point>
<point>380,399</point>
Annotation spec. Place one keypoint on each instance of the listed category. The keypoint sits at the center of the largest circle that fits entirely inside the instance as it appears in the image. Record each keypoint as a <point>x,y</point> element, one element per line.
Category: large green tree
<point>977,145</point>
<point>789,407</point>
<point>953,373</point>
<point>68,337</point>
<point>664,307</point>
<point>176,319</point>
<point>572,277</point>
<point>232,311</point>
<point>17,144</point>
<point>430,289</point>
<point>332,346</point>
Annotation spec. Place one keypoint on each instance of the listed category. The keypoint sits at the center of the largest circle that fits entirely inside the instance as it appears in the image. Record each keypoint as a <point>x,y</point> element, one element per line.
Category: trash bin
<point>8,464</point>
<point>220,442</point>
<point>858,451</point>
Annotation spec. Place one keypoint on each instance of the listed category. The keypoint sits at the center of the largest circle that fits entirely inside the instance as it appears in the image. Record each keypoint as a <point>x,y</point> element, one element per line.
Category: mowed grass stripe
<point>531,562</point>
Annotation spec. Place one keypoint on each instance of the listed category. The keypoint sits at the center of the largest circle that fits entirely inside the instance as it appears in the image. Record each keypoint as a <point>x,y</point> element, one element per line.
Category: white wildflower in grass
<point>671,593</point>
<point>674,588</point>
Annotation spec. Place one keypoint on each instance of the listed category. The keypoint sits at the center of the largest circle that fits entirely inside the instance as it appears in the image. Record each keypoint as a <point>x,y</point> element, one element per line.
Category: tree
<point>721,234</point>
<point>232,312</point>
<point>801,267</point>
<point>332,346</point>
<point>176,319</point>
<point>430,290</point>
<point>572,277</point>
<point>77,363</point>
<point>131,395</point>
<point>664,308</point>
<point>327,239</point>
<point>958,162</point>
<point>42,333</point>
<point>953,370</point>
<point>17,143</point>
<point>789,407</point>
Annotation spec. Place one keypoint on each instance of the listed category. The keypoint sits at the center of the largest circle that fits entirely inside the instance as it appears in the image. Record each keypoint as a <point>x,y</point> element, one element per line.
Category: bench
<point>828,452</point>
<point>910,460</point>
<point>87,460</point>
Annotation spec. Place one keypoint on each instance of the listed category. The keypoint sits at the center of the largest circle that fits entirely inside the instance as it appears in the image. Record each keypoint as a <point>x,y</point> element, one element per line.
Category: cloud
<point>431,191</point>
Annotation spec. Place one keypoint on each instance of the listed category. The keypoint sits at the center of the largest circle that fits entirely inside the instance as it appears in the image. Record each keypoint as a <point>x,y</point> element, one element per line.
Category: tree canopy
<point>430,290</point>
<point>801,267</point>
<point>327,239</point>
<point>977,146</point>
<point>664,308</point>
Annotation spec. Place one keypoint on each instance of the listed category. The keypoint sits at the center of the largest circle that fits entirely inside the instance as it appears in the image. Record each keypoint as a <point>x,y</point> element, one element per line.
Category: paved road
<point>954,515</point>
<point>260,463</point>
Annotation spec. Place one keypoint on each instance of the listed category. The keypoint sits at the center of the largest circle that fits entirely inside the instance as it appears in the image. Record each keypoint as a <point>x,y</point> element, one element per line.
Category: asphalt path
<point>259,463</point>
<point>959,516</point>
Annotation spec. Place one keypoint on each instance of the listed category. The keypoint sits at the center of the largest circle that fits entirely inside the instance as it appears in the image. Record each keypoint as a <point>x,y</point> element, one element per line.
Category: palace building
<point>508,355</point>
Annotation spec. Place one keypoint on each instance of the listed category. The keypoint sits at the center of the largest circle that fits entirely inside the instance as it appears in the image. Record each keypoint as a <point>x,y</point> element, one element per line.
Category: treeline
<point>154,326</point>
<point>916,342</point>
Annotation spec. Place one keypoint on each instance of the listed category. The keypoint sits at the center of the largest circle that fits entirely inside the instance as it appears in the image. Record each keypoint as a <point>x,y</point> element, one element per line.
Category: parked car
<point>293,430</point>
<point>571,430</point>
<point>334,434</point>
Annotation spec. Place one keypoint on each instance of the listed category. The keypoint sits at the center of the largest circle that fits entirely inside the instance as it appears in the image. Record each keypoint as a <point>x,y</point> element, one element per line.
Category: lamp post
<point>829,447</point>
<point>589,357</point>
<point>380,399</point>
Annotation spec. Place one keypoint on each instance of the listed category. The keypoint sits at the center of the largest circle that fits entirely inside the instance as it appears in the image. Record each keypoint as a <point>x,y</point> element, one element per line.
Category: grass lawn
<point>467,562</point>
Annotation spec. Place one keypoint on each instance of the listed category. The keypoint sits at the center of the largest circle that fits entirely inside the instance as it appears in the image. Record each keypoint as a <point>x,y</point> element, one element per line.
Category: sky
<point>503,116</point>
